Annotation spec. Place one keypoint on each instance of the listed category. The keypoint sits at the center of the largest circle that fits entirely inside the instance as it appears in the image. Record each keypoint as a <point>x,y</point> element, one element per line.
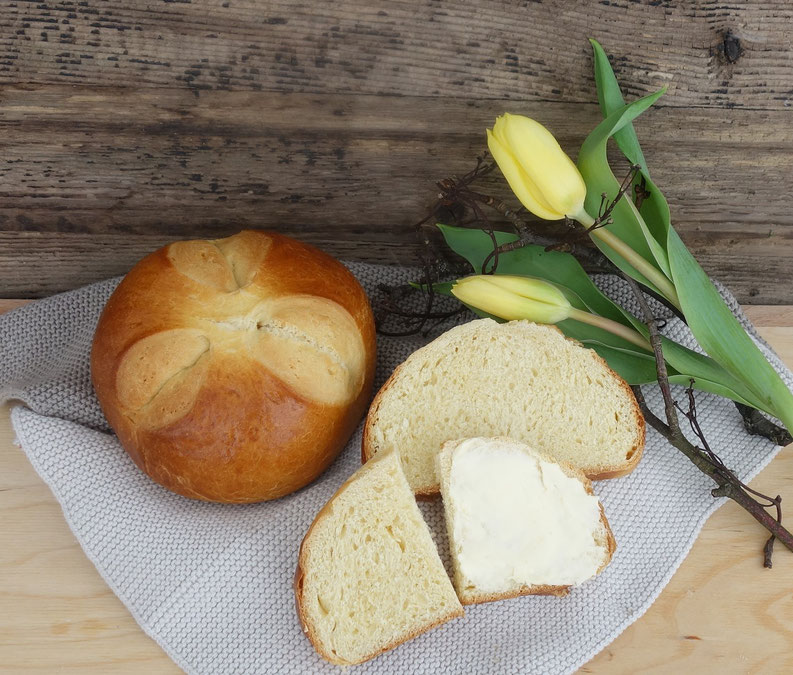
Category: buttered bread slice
<point>516,379</point>
<point>518,522</point>
<point>369,576</point>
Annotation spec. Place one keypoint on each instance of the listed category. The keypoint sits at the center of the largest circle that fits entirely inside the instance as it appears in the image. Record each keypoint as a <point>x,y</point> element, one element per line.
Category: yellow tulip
<point>513,297</point>
<point>541,175</point>
<point>548,184</point>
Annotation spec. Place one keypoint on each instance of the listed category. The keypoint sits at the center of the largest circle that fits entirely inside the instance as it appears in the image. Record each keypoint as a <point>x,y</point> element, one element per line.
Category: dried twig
<point>606,207</point>
<point>758,425</point>
<point>728,485</point>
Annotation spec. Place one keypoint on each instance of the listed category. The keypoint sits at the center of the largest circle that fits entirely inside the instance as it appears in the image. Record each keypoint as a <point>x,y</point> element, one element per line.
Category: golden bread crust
<point>218,388</point>
<point>298,586</point>
<point>633,456</point>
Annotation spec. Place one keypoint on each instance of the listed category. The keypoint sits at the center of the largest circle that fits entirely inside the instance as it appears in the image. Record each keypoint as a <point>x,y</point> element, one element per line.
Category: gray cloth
<point>212,584</point>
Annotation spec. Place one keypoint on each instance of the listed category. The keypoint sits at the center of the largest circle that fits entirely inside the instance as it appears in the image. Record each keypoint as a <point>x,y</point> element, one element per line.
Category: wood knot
<point>731,47</point>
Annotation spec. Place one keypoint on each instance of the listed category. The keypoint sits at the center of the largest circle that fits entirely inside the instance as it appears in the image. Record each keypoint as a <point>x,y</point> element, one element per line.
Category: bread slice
<point>516,379</point>
<point>369,576</point>
<point>518,522</point>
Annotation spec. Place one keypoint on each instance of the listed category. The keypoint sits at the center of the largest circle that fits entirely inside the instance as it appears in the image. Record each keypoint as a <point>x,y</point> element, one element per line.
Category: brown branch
<point>758,424</point>
<point>606,207</point>
<point>724,487</point>
<point>660,362</point>
<point>728,485</point>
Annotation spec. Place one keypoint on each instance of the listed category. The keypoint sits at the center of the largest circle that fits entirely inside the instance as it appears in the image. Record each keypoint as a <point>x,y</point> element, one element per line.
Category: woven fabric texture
<point>212,584</point>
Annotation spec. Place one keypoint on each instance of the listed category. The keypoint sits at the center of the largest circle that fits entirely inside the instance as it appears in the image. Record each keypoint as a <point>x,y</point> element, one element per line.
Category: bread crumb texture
<point>517,379</point>
<point>369,574</point>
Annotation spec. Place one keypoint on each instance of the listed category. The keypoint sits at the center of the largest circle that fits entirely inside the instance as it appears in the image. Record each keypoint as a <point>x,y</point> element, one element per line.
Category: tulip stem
<point>651,273</point>
<point>646,269</point>
<point>618,329</point>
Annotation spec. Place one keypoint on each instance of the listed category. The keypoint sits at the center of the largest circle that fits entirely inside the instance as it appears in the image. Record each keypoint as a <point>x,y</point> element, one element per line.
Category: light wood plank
<point>721,611</point>
<point>6,305</point>
<point>56,612</point>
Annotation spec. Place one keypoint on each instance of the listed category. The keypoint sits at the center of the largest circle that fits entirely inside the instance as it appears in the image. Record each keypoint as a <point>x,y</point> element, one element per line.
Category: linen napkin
<point>212,584</point>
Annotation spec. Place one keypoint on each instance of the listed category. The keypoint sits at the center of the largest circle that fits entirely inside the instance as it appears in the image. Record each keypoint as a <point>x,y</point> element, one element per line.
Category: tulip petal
<point>528,287</point>
<point>553,173</point>
<point>480,292</point>
<point>519,181</point>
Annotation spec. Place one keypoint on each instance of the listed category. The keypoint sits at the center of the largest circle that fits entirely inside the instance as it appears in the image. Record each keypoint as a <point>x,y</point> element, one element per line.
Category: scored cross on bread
<point>235,370</point>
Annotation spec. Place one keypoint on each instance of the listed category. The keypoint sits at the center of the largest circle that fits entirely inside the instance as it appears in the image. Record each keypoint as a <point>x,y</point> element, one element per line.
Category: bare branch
<point>707,461</point>
<point>660,362</point>
<point>758,425</point>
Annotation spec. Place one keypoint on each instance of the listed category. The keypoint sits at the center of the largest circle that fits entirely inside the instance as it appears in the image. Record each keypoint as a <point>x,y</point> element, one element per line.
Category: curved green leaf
<point>654,208</point>
<point>721,335</point>
<point>711,387</point>
<point>610,99</point>
<point>628,223</point>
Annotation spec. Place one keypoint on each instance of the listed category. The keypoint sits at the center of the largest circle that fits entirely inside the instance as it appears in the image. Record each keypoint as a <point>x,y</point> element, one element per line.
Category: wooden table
<point>721,612</point>
<point>126,124</point>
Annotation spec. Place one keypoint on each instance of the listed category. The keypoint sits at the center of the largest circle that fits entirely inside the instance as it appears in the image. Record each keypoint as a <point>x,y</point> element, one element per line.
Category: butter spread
<point>519,519</point>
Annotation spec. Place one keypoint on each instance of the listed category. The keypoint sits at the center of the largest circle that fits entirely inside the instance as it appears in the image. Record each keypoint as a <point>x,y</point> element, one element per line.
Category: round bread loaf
<point>235,370</point>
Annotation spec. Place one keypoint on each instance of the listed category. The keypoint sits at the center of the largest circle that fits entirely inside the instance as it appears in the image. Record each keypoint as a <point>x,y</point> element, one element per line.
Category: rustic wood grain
<point>721,612</point>
<point>710,54</point>
<point>135,169</point>
<point>158,121</point>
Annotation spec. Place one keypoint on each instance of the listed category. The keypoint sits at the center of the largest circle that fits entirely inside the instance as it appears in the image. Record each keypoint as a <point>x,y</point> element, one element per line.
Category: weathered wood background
<point>127,124</point>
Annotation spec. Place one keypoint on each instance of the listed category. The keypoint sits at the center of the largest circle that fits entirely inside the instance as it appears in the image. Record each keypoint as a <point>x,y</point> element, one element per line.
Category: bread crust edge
<point>432,492</point>
<point>542,589</point>
<point>302,615</point>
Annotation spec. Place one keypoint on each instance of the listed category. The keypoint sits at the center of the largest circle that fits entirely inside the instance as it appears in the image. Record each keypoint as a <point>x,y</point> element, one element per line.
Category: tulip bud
<point>541,175</point>
<point>513,297</point>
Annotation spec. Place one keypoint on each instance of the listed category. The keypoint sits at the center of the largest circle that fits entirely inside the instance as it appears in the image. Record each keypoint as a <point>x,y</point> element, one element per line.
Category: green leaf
<point>654,208</point>
<point>472,244</point>
<point>628,223</point>
<point>710,387</point>
<point>610,99</point>
<point>708,374</point>
<point>721,335</point>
